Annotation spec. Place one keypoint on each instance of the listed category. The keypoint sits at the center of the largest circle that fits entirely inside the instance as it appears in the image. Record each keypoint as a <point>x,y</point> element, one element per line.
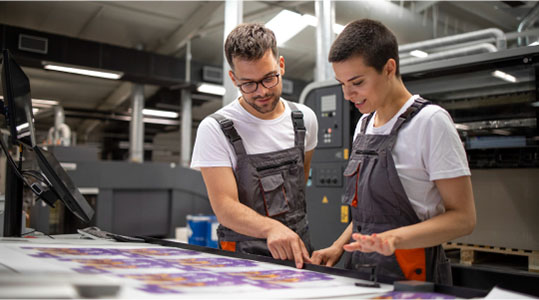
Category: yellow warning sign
<point>345,153</point>
<point>344,213</point>
<point>325,200</point>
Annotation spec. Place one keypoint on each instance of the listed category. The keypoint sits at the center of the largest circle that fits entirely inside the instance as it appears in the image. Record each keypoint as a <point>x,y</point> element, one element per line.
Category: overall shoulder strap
<point>364,123</point>
<point>299,125</point>
<point>406,116</point>
<point>227,126</point>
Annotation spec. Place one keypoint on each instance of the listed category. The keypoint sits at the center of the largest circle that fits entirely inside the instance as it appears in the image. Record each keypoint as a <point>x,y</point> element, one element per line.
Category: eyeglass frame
<point>259,82</point>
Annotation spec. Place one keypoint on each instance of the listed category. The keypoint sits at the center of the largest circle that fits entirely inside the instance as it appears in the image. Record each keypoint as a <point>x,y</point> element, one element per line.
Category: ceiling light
<point>44,102</point>
<point>160,113</point>
<point>310,20</point>
<point>535,104</point>
<point>285,25</point>
<point>462,126</point>
<point>504,76</point>
<point>338,28</point>
<point>40,102</point>
<point>83,71</point>
<point>534,43</point>
<point>35,110</point>
<point>211,89</point>
<point>419,53</point>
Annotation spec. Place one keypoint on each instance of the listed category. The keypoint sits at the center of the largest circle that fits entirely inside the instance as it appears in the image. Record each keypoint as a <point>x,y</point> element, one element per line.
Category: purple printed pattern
<point>91,266</point>
<point>199,269</point>
<point>211,262</point>
<point>413,295</point>
<point>138,252</point>
<point>278,279</point>
<point>59,252</point>
<point>172,283</point>
<point>188,264</point>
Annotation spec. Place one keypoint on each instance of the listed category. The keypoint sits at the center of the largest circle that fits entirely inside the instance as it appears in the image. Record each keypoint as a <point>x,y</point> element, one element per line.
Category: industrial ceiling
<point>164,27</point>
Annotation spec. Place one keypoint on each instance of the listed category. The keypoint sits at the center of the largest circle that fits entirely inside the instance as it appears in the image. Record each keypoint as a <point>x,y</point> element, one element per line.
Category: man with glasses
<point>255,154</point>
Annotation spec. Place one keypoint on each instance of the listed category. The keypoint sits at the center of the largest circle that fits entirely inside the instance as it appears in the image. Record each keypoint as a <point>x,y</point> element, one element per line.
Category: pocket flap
<point>271,182</point>
<point>352,167</point>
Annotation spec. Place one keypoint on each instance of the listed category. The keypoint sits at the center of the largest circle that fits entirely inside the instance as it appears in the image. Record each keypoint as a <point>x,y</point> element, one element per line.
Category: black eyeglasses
<point>267,82</point>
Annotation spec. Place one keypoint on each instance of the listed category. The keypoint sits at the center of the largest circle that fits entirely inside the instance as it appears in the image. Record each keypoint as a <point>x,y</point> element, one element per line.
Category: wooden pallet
<point>471,254</point>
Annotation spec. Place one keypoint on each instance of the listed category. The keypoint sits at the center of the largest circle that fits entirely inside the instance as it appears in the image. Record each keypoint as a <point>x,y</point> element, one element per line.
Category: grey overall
<point>272,184</point>
<point>379,203</point>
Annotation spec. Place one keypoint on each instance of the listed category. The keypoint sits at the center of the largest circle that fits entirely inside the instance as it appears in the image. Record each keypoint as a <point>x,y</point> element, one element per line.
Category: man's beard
<point>264,109</point>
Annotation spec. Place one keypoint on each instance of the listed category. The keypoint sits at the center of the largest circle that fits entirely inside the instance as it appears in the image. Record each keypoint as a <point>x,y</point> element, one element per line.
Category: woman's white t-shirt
<point>212,148</point>
<point>428,148</point>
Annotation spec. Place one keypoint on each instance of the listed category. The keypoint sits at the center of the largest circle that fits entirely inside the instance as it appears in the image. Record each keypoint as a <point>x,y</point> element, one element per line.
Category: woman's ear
<point>390,68</point>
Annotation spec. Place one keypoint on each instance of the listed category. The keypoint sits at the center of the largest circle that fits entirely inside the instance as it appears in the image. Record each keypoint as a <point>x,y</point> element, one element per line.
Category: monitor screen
<point>17,101</point>
<point>60,183</point>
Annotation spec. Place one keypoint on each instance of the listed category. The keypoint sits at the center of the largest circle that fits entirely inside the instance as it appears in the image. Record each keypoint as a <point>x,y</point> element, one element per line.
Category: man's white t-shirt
<point>428,148</point>
<point>212,148</point>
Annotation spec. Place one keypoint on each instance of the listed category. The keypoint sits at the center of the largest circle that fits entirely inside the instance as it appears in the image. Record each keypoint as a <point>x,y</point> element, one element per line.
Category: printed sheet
<point>166,272</point>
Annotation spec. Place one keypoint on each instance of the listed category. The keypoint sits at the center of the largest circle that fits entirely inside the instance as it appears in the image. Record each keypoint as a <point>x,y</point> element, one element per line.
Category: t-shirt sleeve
<point>211,147</point>
<point>311,127</point>
<point>445,156</point>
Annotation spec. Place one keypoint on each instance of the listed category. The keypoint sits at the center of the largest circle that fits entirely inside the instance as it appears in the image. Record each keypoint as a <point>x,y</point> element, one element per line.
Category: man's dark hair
<point>369,39</point>
<point>249,41</point>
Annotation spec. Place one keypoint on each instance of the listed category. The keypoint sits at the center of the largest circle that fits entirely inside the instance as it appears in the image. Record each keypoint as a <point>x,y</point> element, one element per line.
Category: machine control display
<point>328,105</point>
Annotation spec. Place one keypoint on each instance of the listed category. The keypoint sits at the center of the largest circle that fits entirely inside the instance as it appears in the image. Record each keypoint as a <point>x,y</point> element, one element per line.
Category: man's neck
<point>277,112</point>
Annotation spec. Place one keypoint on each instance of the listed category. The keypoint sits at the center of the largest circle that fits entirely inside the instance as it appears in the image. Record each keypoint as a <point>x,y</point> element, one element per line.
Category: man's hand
<point>328,256</point>
<point>372,243</point>
<point>285,244</point>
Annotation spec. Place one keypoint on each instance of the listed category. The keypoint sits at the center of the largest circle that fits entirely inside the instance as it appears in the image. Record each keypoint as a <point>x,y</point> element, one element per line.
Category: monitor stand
<point>13,204</point>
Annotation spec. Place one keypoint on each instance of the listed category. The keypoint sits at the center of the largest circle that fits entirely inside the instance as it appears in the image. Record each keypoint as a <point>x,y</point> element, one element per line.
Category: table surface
<point>70,267</point>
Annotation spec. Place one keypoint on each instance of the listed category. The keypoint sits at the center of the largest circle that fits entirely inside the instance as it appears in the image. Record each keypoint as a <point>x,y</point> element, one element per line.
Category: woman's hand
<point>372,243</point>
<point>328,256</point>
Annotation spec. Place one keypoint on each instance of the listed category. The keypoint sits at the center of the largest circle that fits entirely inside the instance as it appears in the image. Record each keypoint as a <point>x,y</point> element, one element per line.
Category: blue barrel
<point>211,235</point>
<point>197,229</point>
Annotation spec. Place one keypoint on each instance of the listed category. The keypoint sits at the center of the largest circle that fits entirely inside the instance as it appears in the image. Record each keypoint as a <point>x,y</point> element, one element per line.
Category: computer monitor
<point>63,186</point>
<point>19,117</point>
<point>17,101</point>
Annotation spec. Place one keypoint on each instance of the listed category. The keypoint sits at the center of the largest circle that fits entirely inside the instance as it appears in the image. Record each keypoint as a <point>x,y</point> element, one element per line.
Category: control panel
<point>328,175</point>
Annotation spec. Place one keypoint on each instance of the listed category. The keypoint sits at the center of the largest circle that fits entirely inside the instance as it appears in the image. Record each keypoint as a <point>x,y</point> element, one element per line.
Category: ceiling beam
<point>188,29</point>
<point>488,12</point>
<point>420,6</point>
<point>92,18</point>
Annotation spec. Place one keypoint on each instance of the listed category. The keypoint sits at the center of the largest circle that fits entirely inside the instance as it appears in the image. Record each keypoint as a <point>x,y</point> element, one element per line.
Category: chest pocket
<point>351,175</point>
<point>274,194</point>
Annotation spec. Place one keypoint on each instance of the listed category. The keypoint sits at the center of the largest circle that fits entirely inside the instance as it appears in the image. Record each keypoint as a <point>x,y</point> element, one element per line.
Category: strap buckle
<point>228,128</point>
<point>297,118</point>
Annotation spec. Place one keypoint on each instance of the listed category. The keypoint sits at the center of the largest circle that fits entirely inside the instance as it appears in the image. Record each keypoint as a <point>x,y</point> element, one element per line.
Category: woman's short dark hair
<point>249,41</point>
<point>369,39</point>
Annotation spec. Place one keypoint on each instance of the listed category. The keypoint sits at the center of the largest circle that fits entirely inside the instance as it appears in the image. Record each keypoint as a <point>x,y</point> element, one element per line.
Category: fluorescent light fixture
<point>462,127</point>
<point>160,113</point>
<point>504,76</point>
<point>35,110</point>
<point>338,28</point>
<point>534,43</point>
<point>313,21</point>
<point>22,126</point>
<point>82,71</point>
<point>285,25</point>
<point>419,53</point>
<point>211,89</point>
<point>44,102</point>
<point>310,20</point>
<point>535,104</point>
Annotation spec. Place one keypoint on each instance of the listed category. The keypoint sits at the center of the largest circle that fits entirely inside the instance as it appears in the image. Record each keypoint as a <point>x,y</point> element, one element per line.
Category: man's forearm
<point>244,220</point>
